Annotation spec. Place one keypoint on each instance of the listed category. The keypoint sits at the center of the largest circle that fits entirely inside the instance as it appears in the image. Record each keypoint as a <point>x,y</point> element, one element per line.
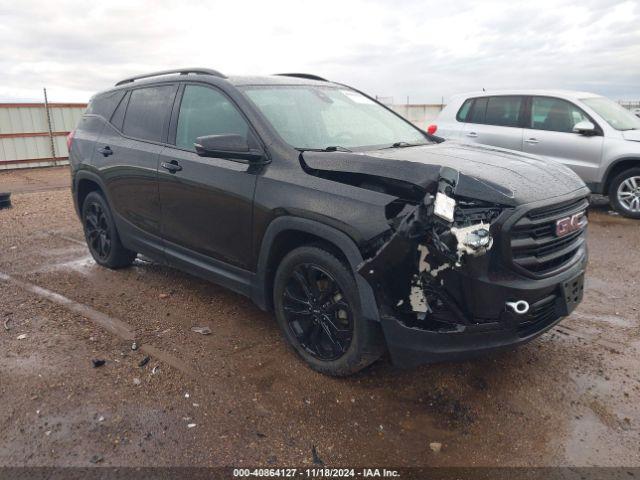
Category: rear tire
<point>624,193</point>
<point>323,320</point>
<point>101,234</point>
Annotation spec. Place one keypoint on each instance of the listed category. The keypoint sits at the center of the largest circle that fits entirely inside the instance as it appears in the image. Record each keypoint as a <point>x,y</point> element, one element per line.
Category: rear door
<point>495,121</point>
<point>128,154</point>
<point>207,203</point>
<point>549,133</point>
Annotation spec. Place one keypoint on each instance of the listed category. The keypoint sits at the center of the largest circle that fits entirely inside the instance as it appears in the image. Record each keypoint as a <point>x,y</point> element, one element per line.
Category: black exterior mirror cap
<point>229,146</point>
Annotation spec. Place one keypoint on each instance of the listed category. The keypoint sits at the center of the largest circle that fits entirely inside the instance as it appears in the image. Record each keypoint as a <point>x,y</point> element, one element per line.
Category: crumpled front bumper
<point>551,299</point>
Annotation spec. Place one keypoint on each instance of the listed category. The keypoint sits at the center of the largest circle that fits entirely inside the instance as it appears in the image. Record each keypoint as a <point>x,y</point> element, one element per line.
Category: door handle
<point>472,134</point>
<point>105,151</point>
<point>172,166</point>
<point>532,140</point>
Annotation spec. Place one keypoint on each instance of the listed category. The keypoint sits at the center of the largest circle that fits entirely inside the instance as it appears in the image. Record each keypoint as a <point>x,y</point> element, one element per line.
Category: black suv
<point>363,233</point>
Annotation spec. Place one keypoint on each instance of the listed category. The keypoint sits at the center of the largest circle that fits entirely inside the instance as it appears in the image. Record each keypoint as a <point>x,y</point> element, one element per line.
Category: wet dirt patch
<point>560,400</point>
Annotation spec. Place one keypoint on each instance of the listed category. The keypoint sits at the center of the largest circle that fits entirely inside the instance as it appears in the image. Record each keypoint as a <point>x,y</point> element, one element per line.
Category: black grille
<point>534,244</point>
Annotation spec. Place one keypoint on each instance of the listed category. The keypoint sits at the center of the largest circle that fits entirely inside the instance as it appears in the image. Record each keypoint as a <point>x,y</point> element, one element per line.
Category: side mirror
<point>584,128</point>
<point>229,146</point>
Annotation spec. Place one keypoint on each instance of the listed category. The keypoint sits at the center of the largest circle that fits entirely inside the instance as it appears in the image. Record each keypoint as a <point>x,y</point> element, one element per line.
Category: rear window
<point>118,116</point>
<point>477,112</point>
<point>464,110</point>
<point>503,111</point>
<point>147,111</point>
<point>104,104</point>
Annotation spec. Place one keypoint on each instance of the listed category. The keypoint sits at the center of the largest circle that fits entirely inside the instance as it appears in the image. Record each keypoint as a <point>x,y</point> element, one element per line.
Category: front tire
<point>317,306</point>
<point>101,235</point>
<point>624,193</point>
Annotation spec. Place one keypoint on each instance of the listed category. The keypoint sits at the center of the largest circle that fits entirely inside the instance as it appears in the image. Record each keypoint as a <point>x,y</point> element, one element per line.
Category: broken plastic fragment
<point>417,300</point>
<point>423,265</point>
<point>201,330</point>
<point>444,207</point>
<point>98,362</point>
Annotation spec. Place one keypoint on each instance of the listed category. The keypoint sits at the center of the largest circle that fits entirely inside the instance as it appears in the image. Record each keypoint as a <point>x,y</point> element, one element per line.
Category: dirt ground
<point>241,397</point>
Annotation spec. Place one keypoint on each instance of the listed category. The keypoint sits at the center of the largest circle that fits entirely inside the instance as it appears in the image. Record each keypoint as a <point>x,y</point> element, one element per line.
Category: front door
<point>206,203</point>
<point>550,134</point>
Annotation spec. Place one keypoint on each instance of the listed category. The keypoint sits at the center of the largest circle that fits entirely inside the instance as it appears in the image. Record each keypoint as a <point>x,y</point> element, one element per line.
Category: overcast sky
<point>422,49</point>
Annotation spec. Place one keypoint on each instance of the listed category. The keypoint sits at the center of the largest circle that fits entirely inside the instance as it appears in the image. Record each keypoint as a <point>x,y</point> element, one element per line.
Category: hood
<point>484,173</point>
<point>633,135</point>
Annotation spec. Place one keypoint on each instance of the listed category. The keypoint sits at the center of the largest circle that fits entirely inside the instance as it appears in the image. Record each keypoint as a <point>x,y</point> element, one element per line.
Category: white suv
<point>594,136</point>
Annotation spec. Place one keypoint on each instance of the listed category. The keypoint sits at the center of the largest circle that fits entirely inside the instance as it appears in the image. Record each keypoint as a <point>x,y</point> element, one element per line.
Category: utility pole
<point>48,113</point>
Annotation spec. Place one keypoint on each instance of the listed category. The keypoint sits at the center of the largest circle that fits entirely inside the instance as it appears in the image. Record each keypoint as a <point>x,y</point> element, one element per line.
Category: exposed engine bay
<point>435,236</point>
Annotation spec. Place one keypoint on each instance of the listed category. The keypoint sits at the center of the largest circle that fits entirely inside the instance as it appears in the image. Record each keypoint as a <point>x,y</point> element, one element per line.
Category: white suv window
<point>554,114</point>
<point>503,111</point>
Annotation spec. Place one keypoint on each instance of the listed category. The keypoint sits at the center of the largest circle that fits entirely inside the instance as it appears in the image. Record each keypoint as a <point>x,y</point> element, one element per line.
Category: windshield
<point>613,113</point>
<point>318,117</point>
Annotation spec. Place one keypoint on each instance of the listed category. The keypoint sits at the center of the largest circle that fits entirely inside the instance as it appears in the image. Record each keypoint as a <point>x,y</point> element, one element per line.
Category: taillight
<point>70,140</point>
<point>431,129</point>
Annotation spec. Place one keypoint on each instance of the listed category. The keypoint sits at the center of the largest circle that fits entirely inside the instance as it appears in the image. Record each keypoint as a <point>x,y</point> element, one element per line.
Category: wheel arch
<point>83,184</point>
<point>616,168</point>
<point>286,233</point>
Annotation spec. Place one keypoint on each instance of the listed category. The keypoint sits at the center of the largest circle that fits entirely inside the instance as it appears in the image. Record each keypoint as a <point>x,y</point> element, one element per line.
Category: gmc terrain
<point>361,232</point>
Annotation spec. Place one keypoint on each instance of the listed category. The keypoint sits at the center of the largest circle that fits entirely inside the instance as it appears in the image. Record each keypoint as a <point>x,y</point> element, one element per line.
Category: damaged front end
<point>434,238</point>
<point>467,256</point>
<point>442,289</point>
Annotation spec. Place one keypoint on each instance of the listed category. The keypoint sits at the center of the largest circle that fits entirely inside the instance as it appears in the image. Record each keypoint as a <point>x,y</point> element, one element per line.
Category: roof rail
<point>181,71</point>
<point>307,76</point>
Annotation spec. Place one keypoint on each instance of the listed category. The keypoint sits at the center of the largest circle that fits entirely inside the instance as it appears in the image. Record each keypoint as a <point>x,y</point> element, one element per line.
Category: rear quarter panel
<point>448,126</point>
<point>86,135</point>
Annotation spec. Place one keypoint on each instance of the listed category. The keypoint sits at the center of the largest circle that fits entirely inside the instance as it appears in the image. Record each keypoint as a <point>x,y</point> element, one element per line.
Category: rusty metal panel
<point>24,133</point>
<point>65,119</point>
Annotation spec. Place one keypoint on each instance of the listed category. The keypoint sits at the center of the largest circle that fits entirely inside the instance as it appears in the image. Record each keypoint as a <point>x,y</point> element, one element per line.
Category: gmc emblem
<point>566,225</point>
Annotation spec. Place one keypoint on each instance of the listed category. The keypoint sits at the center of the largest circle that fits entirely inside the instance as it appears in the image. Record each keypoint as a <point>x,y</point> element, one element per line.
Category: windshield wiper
<point>404,145</point>
<point>332,148</point>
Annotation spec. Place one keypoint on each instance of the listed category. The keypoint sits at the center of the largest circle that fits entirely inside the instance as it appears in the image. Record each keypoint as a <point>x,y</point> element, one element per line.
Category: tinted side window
<point>464,110</point>
<point>147,112</point>
<point>118,116</point>
<point>478,111</point>
<point>554,114</point>
<point>104,104</point>
<point>503,111</point>
<point>205,111</point>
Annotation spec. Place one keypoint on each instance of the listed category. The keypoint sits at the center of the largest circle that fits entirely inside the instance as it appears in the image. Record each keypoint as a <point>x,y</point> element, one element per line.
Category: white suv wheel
<point>629,194</point>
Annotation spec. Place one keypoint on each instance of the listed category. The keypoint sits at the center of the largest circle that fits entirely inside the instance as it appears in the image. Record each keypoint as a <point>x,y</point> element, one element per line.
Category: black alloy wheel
<point>317,312</point>
<point>101,234</point>
<point>97,231</point>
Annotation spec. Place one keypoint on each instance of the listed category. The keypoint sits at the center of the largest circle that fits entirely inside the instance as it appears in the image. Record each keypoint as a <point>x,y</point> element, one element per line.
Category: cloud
<point>425,50</point>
